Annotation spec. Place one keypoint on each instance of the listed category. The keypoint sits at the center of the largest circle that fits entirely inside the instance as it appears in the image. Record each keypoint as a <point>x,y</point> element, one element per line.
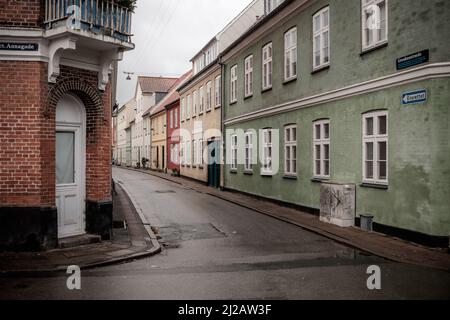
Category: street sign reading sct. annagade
<point>11,46</point>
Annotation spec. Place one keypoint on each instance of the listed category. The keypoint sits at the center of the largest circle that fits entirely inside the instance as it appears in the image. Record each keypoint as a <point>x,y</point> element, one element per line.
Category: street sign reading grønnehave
<point>415,97</point>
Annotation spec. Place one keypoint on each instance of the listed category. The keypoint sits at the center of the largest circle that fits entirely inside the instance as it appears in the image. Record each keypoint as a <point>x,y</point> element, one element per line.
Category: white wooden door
<point>70,163</point>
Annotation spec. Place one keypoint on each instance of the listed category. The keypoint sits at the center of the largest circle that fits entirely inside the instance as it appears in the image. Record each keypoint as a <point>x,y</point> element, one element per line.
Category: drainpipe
<point>222,118</point>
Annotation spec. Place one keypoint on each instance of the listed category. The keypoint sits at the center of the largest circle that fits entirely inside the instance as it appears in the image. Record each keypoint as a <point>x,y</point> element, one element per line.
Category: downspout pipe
<point>222,121</point>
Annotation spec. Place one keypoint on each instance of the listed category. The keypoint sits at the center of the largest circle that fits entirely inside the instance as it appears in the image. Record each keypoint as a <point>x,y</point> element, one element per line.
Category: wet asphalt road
<point>217,250</point>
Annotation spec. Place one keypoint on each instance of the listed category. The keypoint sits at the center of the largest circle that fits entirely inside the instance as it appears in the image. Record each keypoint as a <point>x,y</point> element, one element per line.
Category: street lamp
<point>128,75</point>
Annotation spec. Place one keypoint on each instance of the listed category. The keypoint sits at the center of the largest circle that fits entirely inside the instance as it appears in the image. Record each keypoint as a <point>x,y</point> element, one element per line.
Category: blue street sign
<point>415,97</point>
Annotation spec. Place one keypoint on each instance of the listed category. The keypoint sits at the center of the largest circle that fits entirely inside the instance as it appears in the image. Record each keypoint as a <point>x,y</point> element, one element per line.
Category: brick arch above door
<point>88,93</point>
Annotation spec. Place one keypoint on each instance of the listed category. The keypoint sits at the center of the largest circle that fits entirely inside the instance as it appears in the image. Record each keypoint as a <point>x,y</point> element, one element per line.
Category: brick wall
<point>22,88</point>
<point>22,13</point>
<point>27,132</point>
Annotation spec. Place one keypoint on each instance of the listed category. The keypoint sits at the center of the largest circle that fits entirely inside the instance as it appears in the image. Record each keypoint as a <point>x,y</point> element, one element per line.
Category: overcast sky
<point>168,33</point>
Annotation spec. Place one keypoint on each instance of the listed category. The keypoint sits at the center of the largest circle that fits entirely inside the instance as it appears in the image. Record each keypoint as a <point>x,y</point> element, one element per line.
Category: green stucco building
<point>353,92</point>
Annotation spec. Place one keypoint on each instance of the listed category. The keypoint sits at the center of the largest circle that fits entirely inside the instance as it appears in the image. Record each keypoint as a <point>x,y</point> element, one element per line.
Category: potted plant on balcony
<point>129,4</point>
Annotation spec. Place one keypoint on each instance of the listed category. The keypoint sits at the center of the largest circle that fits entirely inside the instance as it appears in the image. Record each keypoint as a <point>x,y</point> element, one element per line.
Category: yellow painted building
<point>200,103</point>
<point>158,136</point>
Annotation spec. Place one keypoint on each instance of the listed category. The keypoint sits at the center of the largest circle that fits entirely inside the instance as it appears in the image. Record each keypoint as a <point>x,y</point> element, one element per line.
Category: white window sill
<point>288,80</point>
<point>321,67</point>
<point>375,184</point>
<point>373,47</point>
<point>321,177</point>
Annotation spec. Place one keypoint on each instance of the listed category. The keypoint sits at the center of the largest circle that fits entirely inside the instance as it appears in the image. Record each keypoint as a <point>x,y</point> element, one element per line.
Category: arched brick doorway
<point>98,204</point>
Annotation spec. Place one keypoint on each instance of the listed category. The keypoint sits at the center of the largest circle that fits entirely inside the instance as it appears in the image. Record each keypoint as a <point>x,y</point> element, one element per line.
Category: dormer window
<point>270,5</point>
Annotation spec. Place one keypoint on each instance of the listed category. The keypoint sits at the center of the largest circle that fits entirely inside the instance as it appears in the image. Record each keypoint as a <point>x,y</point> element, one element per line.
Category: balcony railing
<point>98,16</point>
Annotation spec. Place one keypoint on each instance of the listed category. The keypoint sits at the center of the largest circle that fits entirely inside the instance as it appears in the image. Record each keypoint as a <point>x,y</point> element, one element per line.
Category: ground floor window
<point>234,152</point>
<point>267,146</point>
<point>249,137</point>
<point>188,154</point>
<point>290,149</point>
<point>200,152</point>
<point>322,149</point>
<point>375,147</point>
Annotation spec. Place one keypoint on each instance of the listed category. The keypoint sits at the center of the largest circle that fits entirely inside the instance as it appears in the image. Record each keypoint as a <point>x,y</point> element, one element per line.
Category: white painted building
<point>124,116</point>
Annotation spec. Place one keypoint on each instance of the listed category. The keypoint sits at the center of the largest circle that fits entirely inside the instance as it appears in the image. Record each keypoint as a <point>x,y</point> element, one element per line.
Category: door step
<point>76,241</point>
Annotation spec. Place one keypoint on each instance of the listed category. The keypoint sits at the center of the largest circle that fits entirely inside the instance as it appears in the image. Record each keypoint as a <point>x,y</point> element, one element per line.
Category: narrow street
<point>213,249</point>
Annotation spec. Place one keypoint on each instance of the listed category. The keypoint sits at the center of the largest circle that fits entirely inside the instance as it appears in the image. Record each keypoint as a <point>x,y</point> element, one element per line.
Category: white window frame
<point>267,66</point>
<point>176,117</point>
<point>324,42</point>
<point>376,138</point>
<point>188,106</point>
<point>249,138</point>
<point>202,100</point>
<point>218,91</point>
<point>267,152</point>
<point>233,83</point>
<point>194,151</point>
<point>248,78</point>
<point>208,95</point>
<point>176,154</point>
<point>322,141</point>
<point>234,152</point>
<point>377,40</point>
<point>290,150</point>
<point>200,152</point>
<point>171,119</point>
<point>290,54</point>
<point>182,153</point>
<point>195,103</point>
<point>183,111</point>
<point>188,153</point>
<point>270,5</point>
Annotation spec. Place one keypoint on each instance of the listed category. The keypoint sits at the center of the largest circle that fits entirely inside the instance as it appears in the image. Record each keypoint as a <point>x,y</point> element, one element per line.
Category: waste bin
<point>367,222</point>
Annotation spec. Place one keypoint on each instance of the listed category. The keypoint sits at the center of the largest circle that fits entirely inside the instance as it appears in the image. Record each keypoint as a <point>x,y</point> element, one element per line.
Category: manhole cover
<point>164,191</point>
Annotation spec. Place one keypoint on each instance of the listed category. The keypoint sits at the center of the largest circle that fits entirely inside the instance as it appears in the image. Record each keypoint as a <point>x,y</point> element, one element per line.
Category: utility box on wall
<point>337,204</point>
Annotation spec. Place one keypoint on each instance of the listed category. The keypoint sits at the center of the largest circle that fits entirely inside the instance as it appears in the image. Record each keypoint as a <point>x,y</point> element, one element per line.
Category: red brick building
<point>56,98</point>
